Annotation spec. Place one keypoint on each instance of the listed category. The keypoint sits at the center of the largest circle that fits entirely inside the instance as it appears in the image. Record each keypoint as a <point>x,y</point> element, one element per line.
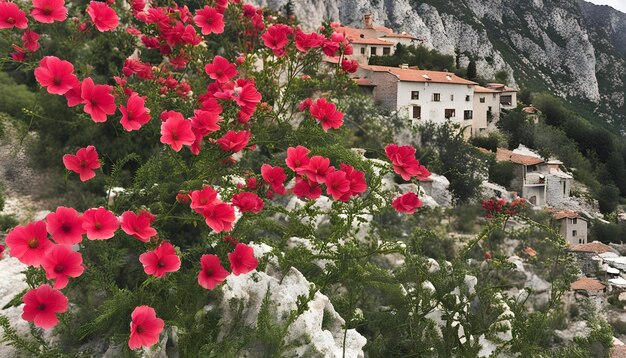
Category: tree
<point>471,70</point>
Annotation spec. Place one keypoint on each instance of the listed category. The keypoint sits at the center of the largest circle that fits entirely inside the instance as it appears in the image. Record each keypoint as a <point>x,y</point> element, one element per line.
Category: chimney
<point>404,66</point>
<point>367,21</point>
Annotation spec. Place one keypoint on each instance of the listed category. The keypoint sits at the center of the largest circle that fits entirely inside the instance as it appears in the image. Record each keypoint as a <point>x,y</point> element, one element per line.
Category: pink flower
<point>31,40</point>
<point>42,304</point>
<point>297,159</point>
<point>220,70</point>
<point>11,16</point>
<point>49,11</point>
<point>274,176</point>
<point>350,66</point>
<point>73,95</point>
<point>326,113</point>
<point>205,122</point>
<point>209,20</point>
<point>102,16</point>
<point>242,260</point>
<point>56,75</point>
<point>60,263</point>
<point>234,141</point>
<point>29,243</point>
<point>134,114</point>
<point>98,100</point>
<point>138,226</point>
<point>407,203</point>
<point>404,162</point>
<point>247,201</point>
<point>356,179</point>
<point>145,327</point>
<point>276,39</point>
<point>65,226</point>
<point>212,273</point>
<point>219,217</point>
<point>160,261</point>
<point>305,105</point>
<point>176,131</point>
<point>307,189</point>
<point>305,42</point>
<point>100,224</point>
<point>83,163</point>
<point>200,199</point>
<point>317,169</point>
<point>337,185</point>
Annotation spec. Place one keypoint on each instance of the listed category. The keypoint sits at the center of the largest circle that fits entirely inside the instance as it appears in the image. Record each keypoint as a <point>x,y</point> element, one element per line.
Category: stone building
<point>587,288</point>
<point>529,180</point>
<point>572,226</point>
<point>486,110</point>
<point>589,256</point>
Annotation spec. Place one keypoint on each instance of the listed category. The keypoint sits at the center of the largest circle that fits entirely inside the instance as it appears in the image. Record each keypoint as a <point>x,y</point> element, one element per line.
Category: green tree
<point>471,70</point>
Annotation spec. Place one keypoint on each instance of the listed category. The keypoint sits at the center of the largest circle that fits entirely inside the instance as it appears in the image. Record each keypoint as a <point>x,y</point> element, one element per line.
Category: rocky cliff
<point>572,48</point>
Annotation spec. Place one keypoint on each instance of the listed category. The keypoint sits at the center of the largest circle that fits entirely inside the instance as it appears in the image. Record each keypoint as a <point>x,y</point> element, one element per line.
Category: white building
<point>573,227</point>
<point>486,110</point>
<point>508,95</point>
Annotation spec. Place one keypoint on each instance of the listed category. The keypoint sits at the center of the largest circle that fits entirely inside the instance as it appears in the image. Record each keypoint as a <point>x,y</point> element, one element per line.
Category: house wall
<point>385,92</point>
<point>518,179</point>
<point>364,58</point>
<point>557,189</point>
<point>568,227</point>
<point>535,194</point>
<point>513,95</point>
<point>481,123</point>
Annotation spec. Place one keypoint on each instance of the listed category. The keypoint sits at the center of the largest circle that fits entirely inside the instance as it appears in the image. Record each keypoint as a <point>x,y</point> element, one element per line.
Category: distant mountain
<point>572,48</point>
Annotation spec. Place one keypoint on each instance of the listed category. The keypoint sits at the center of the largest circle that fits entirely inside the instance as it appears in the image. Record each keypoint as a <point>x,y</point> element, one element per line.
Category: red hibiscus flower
<point>1,251</point>
<point>219,216</point>
<point>65,226</point>
<point>247,201</point>
<point>29,243</point>
<point>73,94</point>
<point>317,169</point>
<point>102,16</point>
<point>211,273</point>
<point>31,40</point>
<point>100,224</point>
<point>49,11</point>
<point>42,304</point>
<point>160,261</point>
<point>276,38</point>
<point>297,159</point>
<point>56,75</point>
<point>307,189</point>
<point>176,131</point>
<point>11,16</point>
<point>349,66</point>
<point>134,114</point>
<point>220,70</point>
<point>407,203</point>
<point>209,20</point>
<point>305,105</point>
<point>305,42</point>
<point>403,160</point>
<point>337,185</point>
<point>98,100</point>
<point>356,179</point>
<point>242,260</point>
<point>326,113</point>
<point>83,163</point>
<point>246,95</point>
<point>274,176</point>
<point>200,199</point>
<point>60,263</point>
<point>205,122</point>
<point>234,141</point>
<point>145,327</point>
<point>138,226</point>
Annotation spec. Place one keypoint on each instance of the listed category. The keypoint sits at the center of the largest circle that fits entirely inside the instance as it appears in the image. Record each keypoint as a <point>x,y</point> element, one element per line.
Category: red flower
<point>247,201</point>
<point>29,243</point>
<point>234,141</point>
<point>102,16</point>
<point>200,199</point>
<point>60,263</point>
<point>242,260</point>
<point>11,16</point>
<point>297,159</point>
<point>326,113</point>
<point>134,114</point>
<point>176,131</point>
<point>83,163</point>
<point>160,261</point>
<point>211,273</point>
<point>356,179</point>
<point>403,160</point>
<point>330,48</point>
<point>49,11</point>
<point>305,105</point>
<point>1,251</point>
<point>219,217</point>
<point>209,20</point>
<point>41,305</point>
<point>317,169</point>
<point>407,203</point>
<point>246,94</point>
<point>337,185</point>
<point>73,94</point>
<point>19,55</point>
<point>205,122</point>
<point>56,75</point>
<point>138,226</point>
<point>220,70</point>
<point>65,226</point>
<point>305,42</point>
<point>305,188</point>
<point>100,224</point>
<point>98,100</point>
<point>145,327</point>
<point>274,176</point>
<point>31,40</point>
<point>276,39</point>
<point>349,66</point>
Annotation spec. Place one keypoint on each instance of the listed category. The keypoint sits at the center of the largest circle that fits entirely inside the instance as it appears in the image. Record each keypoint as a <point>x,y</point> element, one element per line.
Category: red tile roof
<point>587,284</point>
<point>362,36</point>
<point>403,36</point>
<point>500,87</point>
<point>481,89</point>
<point>530,110</point>
<point>570,214</point>
<point>505,155</point>
<point>364,82</point>
<point>413,75</point>
<point>595,247</point>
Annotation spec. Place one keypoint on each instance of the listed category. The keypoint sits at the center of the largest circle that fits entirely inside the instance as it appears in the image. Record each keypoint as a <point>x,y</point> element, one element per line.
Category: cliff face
<point>572,48</point>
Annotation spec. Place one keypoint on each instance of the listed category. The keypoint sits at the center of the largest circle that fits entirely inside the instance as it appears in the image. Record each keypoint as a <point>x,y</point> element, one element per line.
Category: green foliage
<point>471,71</point>
<point>422,57</point>
<point>501,173</point>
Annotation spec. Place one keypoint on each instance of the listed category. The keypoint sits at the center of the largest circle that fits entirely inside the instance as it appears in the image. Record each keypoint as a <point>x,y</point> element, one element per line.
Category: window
<point>373,51</point>
<point>468,115</point>
<point>467,98</point>
<point>451,97</point>
<point>575,221</point>
<point>386,51</point>
<point>581,241</point>
<point>362,50</point>
<point>574,233</point>
<point>436,97</point>
<point>564,187</point>
<point>415,94</point>
<point>506,100</point>
<point>417,112</point>
<point>482,99</point>
<point>450,113</point>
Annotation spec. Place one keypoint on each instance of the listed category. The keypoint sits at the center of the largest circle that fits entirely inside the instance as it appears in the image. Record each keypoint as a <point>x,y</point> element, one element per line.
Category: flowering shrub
<point>498,206</point>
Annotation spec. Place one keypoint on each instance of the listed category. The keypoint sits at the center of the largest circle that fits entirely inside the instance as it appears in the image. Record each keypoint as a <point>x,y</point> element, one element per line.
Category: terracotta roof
<point>384,29</point>
<point>484,150</point>
<point>595,247</point>
<point>481,89</point>
<point>587,284</point>
<point>501,87</point>
<point>362,36</point>
<point>404,36</point>
<point>570,214</point>
<point>413,75</point>
<point>366,41</point>
<point>505,155</point>
<point>364,82</point>
<point>530,110</point>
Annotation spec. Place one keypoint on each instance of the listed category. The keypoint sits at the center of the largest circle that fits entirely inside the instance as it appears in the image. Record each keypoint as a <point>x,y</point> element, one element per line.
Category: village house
<point>587,288</point>
<point>508,95</point>
<point>573,227</point>
<point>590,256</point>
<point>531,113</point>
<point>529,181</point>
<point>486,110</point>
